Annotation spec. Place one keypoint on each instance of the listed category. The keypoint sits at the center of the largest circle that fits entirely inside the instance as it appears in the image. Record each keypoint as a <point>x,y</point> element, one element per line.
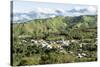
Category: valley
<point>55,40</point>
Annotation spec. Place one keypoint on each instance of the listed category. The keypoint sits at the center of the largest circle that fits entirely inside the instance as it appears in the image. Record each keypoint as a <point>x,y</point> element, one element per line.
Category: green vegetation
<point>79,45</point>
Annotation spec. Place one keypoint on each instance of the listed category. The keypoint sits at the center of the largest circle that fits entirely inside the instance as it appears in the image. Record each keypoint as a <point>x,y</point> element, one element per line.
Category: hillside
<point>55,40</point>
<point>42,28</point>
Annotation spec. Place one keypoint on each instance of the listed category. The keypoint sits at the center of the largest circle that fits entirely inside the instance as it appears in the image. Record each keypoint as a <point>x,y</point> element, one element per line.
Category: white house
<point>24,41</point>
<point>49,46</point>
<point>80,45</point>
<point>79,55</point>
<point>70,52</point>
<point>34,41</point>
<point>83,54</point>
<point>66,43</point>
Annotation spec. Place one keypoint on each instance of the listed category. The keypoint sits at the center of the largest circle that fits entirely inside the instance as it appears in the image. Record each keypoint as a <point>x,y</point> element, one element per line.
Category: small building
<point>34,41</point>
<point>79,55</point>
<point>83,54</point>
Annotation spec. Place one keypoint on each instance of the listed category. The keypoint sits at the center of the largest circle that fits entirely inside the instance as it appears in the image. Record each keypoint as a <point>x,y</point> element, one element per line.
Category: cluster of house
<point>51,44</point>
<point>57,44</point>
<point>80,55</point>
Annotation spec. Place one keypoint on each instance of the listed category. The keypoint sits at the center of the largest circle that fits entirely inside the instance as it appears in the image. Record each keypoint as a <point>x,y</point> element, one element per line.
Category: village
<point>60,44</point>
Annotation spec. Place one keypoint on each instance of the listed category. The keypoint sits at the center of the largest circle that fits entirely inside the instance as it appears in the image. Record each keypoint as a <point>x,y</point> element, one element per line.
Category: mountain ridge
<point>42,13</point>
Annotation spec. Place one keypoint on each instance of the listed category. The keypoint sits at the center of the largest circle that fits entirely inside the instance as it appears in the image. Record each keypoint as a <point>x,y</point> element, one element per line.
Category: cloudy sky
<point>66,9</point>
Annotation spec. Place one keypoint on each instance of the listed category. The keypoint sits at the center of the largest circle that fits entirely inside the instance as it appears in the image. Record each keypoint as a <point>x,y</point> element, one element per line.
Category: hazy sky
<point>26,6</point>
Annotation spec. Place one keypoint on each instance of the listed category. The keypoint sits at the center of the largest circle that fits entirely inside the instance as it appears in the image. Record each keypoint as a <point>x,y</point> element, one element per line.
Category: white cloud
<point>52,16</point>
<point>62,10</point>
<point>24,16</point>
<point>45,10</point>
<point>92,9</point>
<point>50,10</point>
<point>16,18</point>
<point>78,8</point>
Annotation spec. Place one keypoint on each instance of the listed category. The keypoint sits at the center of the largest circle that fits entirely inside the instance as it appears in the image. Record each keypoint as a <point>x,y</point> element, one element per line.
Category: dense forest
<point>55,40</point>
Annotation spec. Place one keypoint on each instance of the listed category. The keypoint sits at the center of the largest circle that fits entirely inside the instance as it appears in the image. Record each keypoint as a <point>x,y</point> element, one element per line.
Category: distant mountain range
<point>47,13</point>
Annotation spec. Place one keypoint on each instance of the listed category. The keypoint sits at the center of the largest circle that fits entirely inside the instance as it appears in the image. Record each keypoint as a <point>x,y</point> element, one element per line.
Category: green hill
<point>79,33</point>
<point>59,26</point>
